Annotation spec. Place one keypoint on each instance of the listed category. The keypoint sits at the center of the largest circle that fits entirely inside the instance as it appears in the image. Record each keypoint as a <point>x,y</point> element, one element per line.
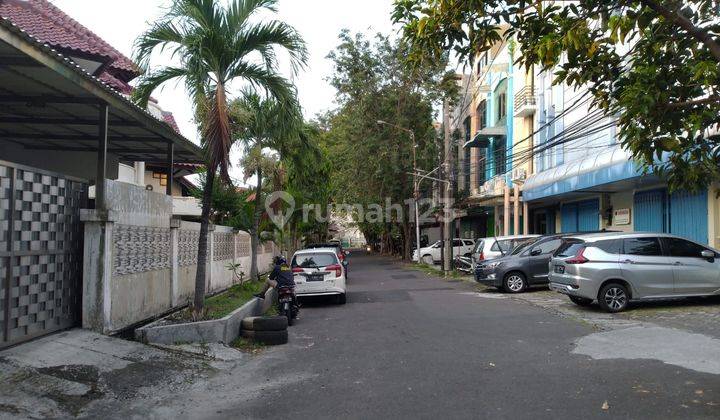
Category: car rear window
<point>478,246</point>
<point>569,248</point>
<point>313,260</point>
<point>611,246</point>
<point>503,246</point>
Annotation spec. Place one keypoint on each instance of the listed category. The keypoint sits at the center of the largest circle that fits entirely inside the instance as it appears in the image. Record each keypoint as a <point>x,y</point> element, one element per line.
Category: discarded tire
<point>265,323</point>
<point>270,338</point>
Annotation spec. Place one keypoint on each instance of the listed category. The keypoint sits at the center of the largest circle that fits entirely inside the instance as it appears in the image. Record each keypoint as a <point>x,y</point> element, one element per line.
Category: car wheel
<point>514,282</point>
<point>580,301</point>
<point>613,297</point>
<point>428,259</point>
<point>341,299</point>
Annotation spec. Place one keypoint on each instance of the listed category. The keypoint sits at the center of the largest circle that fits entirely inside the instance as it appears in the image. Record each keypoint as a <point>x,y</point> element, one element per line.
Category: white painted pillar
<point>506,211</point>
<point>516,209</point>
<point>140,173</point>
<point>174,261</point>
<point>97,269</point>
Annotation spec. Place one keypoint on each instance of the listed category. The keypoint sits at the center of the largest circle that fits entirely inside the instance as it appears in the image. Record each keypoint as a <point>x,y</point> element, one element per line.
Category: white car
<point>319,272</point>
<point>431,254</point>
<point>496,247</point>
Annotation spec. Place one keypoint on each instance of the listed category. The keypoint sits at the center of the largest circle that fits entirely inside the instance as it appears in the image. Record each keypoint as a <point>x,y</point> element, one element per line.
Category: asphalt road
<point>410,346</point>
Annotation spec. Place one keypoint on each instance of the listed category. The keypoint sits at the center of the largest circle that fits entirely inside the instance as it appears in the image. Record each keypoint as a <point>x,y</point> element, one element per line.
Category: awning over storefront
<point>484,137</point>
<point>610,165</point>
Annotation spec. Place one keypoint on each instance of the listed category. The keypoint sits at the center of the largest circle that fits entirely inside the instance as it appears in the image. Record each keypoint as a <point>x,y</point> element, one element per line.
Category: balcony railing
<point>525,101</point>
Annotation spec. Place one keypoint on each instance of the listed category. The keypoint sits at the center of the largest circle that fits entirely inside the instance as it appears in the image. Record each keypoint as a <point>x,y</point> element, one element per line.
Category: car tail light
<point>579,258</point>
<point>297,270</point>
<point>481,257</point>
<point>335,267</point>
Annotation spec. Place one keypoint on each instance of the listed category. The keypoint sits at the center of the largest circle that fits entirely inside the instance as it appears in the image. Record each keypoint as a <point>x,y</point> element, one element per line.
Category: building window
<point>481,168</point>
<point>502,106</point>
<point>162,177</point>
<point>500,157</point>
<point>466,160</point>
<point>482,115</point>
<point>482,62</point>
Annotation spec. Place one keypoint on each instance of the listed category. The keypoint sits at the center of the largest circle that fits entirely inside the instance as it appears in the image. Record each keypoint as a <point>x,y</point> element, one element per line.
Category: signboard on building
<point>621,217</point>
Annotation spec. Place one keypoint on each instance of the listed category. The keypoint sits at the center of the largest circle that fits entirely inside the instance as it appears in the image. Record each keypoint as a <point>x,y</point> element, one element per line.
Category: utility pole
<point>416,183</point>
<point>447,209</point>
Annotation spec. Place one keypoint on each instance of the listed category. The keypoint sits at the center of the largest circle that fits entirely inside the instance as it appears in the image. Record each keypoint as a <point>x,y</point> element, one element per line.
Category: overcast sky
<point>319,22</point>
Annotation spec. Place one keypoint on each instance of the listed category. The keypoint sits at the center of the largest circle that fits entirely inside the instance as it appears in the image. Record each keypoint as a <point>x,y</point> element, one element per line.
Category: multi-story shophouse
<point>583,180</point>
<point>497,117</point>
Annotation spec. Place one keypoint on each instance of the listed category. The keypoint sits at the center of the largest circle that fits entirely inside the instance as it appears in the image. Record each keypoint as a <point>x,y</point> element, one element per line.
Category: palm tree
<point>213,46</point>
<point>265,122</point>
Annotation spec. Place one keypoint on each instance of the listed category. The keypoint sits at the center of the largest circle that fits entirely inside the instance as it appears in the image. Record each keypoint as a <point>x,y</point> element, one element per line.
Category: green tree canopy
<point>655,65</point>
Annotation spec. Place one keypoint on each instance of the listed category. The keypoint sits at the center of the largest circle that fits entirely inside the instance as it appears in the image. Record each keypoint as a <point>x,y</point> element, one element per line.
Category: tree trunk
<point>255,234</point>
<point>407,243</point>
<point>202,255</point>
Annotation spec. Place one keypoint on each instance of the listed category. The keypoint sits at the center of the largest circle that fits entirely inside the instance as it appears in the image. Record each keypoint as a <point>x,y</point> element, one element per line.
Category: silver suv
<point>615,268</point>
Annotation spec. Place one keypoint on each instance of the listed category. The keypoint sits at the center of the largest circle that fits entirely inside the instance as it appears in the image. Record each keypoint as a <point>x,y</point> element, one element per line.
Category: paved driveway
<point>406,345</point>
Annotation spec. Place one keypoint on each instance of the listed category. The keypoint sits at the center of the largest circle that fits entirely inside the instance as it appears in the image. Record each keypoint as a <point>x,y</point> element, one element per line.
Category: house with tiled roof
<point>89,235</point>
<point>48,24</point>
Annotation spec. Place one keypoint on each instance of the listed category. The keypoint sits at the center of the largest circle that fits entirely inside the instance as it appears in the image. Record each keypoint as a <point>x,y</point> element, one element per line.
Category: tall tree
<point>375,83</point>
<point>654,64</point>
<point>265,123</point>
<point>213,44</point>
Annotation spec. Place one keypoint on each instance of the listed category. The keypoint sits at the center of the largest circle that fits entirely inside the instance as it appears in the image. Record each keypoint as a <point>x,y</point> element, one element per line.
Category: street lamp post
<point>416,184</point>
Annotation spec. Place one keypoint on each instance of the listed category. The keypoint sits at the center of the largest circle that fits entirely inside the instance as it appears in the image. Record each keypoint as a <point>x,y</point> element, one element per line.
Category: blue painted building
<point>583,180</point>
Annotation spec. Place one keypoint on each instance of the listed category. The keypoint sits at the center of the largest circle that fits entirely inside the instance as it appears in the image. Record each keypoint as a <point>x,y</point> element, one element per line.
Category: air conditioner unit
<point>518,174</point>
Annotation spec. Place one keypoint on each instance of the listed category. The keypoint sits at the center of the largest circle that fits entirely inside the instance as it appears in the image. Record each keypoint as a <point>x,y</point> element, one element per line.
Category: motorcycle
<point>287,303</point>
<point>463,264</point>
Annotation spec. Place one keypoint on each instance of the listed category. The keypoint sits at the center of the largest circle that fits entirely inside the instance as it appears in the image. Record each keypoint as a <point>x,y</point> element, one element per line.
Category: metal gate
<point>41,247</point>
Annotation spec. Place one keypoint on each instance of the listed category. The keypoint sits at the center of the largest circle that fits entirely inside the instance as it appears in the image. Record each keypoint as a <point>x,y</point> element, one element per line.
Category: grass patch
<point>431,270</point>
<point>222,304</point>
<point>247,346</point>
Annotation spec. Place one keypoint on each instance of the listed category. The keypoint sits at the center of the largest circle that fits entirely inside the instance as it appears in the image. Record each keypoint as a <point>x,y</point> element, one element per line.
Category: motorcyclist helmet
<point>279,260</point>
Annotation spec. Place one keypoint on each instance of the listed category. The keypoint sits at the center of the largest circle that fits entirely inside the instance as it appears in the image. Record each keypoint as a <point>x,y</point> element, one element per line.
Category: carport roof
<point>50,103</point>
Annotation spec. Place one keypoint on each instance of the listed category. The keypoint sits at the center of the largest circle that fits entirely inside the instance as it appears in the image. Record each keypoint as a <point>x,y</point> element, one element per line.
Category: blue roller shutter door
<point>588,215</point>
<point>681,213</point>
<point>689,216</point>
<point>583,216</point>
<point>569,217</point>
<point>649,214</point>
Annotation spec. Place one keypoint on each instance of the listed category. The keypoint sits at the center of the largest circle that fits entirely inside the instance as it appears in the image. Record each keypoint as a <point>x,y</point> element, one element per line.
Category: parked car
<point>526,265</point>
<point>318,272</point>
<point>432,254</point>
<point>497,246</point>
<point>337,246</point>
<point>614,269</point>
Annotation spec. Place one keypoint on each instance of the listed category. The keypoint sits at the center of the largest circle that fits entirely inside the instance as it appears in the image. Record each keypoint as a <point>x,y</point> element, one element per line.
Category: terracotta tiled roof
<point>50,25</point>
<point>170,120</point>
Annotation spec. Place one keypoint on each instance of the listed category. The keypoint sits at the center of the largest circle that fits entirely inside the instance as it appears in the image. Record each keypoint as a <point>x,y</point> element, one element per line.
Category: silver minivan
<point>615,268</point>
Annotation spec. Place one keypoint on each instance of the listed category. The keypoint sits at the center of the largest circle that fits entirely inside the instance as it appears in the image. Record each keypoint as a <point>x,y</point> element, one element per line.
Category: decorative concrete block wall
<point>142,263</point>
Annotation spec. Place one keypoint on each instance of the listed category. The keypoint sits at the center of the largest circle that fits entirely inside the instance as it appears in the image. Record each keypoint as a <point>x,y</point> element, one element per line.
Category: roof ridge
<point>72,27</point>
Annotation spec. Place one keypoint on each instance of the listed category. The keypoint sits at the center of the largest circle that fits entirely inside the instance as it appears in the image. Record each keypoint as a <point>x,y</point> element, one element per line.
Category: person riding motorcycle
<point>280,276</point>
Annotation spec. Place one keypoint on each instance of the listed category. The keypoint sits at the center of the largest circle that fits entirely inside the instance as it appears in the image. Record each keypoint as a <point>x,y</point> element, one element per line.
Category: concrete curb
<point>223,330</point>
